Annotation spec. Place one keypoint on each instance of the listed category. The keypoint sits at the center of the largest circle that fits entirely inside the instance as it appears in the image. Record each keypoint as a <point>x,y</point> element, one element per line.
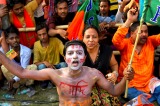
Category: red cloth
<point>26,38</point>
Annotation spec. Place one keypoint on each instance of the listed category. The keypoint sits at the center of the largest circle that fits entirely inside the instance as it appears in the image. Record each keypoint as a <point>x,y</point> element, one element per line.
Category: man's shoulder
<point>37,42</point>
<point>55,40</point>
<point>89,69</point>
<point>25,48</point>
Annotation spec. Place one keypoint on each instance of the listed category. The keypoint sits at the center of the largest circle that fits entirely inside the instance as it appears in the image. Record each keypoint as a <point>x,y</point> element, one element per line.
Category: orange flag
<point>2,1</point>
<point>86,15</point>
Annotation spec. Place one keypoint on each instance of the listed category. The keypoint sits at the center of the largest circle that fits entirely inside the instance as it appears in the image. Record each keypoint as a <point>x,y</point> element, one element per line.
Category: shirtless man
<point>74,83</point>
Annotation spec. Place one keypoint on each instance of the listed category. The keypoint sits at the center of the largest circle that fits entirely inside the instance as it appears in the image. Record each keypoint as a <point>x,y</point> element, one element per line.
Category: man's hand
<point>102,26</point>
<point>124,3</point>
<point>128,73</point>
<point>62,33</point>
<point>1,38</point>
<point>3,11</point>
<point>10,84</point>
<point>112,24</point>
<point>132,14</point>
<point>130,4</point>
<point>48,65</point>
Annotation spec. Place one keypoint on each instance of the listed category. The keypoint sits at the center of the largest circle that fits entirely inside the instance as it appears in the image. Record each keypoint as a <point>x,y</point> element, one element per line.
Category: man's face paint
<point>75,57</point>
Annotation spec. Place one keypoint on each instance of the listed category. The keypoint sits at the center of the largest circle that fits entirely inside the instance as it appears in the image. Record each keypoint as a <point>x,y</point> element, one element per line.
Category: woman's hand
<point>111,77</point>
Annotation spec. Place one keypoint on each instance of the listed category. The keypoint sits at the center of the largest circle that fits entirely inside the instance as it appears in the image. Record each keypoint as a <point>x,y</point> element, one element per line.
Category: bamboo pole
<point>131,59</point>
<point>26,29</point>
<point>61,27</point>
<point>137,37</point>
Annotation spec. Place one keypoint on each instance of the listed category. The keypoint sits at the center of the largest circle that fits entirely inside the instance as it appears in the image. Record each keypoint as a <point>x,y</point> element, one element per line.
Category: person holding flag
<point>144,81</point>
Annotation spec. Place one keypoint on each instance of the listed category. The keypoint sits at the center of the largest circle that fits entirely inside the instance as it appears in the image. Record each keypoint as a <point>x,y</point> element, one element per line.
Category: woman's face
<point>91,38</point>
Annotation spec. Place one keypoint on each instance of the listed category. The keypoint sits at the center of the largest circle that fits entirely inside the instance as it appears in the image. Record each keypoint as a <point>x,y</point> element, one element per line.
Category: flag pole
<point>135,44</point>
<point>131,59</point>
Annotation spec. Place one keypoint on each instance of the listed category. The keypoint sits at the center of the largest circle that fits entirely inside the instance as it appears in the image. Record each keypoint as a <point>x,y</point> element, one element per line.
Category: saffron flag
<point>152,13</point>
<point>2,1</point>
<point>86,15</point>
<point>140,100</point>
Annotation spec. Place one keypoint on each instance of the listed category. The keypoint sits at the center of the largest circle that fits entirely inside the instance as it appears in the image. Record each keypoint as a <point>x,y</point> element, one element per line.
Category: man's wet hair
<point>11,29</point>
<point>75,42</point>
<point>134,26</point>
<point>41,26</point>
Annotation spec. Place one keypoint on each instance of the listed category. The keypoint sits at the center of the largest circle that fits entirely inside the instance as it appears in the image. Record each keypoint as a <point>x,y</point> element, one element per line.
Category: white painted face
<point>75,57</point>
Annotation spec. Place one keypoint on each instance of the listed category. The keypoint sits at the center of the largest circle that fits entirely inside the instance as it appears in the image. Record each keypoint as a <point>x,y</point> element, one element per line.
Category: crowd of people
<point>85,71</point>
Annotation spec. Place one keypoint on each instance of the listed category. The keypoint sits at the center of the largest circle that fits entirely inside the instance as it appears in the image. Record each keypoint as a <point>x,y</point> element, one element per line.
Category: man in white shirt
<point>23,58</point>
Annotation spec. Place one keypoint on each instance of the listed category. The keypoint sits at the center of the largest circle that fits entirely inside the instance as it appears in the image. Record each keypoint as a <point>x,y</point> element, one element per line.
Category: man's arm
<point>4,44</point>
<point>119,37</point>
<point>61,32</point>
<point>52,28</point>
<point>117,89</point>
<point>39,2</point>
<point>3,11</point>
<point>24,73</point>
<point>33,5</point>
<point>119,15</point>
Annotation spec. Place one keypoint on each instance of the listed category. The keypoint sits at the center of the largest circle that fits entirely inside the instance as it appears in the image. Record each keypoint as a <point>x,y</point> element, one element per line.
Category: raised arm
<point>117,89</point>
<point>3,11</point>
<point>4,44</point>
<point>119,15</point>
<point>24,73</point>
<point>119,37</point>
<point>39,1</point>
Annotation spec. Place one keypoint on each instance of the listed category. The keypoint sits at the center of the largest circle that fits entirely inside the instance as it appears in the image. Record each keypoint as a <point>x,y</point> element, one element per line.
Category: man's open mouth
<point>75,63</point>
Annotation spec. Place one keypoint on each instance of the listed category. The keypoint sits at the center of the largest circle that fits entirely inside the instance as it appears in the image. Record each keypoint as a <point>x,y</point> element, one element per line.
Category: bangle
<point>116,73</point>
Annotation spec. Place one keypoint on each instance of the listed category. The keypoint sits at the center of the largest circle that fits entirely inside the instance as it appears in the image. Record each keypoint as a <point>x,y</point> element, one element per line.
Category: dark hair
<point>41,26</point>
<point>11,3</point>
<point>91,26</point>
<point>59,1</point>
<point>75,42</point>
<point>108,1</point>
<point>134,26</point>
<point>109,4</point>
<point>11,29</point>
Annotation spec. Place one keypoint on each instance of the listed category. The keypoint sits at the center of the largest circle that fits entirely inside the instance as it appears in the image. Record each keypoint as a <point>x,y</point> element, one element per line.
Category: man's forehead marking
<point>75,47</point>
